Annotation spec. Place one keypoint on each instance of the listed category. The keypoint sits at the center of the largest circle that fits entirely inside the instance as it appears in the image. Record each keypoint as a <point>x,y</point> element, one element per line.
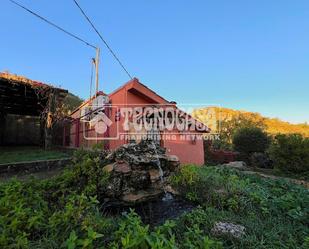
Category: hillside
<point>273,125</point>
<point>71,102</point>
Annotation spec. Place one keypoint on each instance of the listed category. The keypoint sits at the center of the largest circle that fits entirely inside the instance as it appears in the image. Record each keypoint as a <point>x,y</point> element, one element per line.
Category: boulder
<point>240,165</point>
<point>223,228</point>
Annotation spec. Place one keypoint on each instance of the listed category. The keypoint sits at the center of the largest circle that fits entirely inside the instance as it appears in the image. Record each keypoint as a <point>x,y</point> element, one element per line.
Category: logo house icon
<point>100,122</point>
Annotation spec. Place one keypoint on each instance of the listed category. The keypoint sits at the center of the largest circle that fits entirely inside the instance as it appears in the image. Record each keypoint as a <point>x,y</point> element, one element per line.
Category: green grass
<point>23,154</point>
<point>274,212</point>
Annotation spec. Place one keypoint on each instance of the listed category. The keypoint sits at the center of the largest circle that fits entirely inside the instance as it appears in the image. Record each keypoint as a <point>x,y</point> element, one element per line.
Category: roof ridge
<point>22,79</point>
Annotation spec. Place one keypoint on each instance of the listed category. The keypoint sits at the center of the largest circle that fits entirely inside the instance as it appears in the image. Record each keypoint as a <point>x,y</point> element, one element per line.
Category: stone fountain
<point>138,173</point>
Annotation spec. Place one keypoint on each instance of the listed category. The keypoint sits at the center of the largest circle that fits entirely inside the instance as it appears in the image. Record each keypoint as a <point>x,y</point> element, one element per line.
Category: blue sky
<point>249,55</point>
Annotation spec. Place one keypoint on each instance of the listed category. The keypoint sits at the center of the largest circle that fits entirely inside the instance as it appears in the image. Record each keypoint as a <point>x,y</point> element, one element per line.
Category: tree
<point>230,125</point>
<point>290,153</point>
<point>248,140</point>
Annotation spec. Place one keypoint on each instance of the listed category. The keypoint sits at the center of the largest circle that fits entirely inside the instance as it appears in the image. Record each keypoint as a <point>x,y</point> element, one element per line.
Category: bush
<point>249,140</point>
<point>261,160</point>
<point>290,153</point>
<point>46,213</point>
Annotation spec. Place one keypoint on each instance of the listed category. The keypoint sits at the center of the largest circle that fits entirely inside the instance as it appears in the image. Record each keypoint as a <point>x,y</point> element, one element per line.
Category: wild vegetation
<point>261,142</point>
<point>249,140</point>
<point>274,212</point>
<point>65,211</point>
<point>290,153</point>
<point>230,118</point>
<point>71,102</point>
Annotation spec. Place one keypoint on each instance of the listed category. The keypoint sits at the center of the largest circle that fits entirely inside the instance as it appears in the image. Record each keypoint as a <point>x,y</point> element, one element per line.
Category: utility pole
<point>97,61</point>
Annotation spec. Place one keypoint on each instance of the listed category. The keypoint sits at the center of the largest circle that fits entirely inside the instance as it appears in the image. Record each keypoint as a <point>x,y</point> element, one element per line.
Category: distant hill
<point>273,125</point>
<point>71,102</point>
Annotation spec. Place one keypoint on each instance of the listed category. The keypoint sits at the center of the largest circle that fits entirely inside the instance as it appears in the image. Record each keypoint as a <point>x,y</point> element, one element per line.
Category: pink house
<point>133,93</point>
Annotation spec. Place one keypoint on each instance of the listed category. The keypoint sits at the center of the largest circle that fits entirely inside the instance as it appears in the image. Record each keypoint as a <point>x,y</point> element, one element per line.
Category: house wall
<point>118,99</point>
<point>81,134</point>
<point>187,151</point>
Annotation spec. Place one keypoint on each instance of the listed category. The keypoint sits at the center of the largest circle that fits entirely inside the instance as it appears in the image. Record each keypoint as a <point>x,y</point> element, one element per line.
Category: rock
<point>173,158</point>
<point>174,162</point>
<point>109,157</point>
<point>154,175</point>
<point>109,168</point>
<point>104,154</point>
<point>222,228</point>
<point>114,188</point>
<point>123,168</point>
<point>140,179</point>
<point>141,196</point>
<point>143,153</point>
<point>240,165</point>
<point>169,189</point>
<point>135,172</point>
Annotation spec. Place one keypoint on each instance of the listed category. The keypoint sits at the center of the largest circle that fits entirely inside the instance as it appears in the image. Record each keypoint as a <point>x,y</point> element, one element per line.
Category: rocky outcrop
<point>138,172</point>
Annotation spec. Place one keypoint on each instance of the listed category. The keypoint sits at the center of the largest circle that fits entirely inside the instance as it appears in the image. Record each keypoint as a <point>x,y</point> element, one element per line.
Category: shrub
<point>290,153</point>
<point>87,170</point>
<point>261,160</point>
<point>45,213</point>
<point>249,140</point>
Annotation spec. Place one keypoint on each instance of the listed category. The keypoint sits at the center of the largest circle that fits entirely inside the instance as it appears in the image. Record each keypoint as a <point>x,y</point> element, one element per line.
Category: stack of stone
<point>138,172</point>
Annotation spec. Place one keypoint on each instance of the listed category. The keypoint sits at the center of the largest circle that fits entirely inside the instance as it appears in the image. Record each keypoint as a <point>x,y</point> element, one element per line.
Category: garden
<point>66,211</point>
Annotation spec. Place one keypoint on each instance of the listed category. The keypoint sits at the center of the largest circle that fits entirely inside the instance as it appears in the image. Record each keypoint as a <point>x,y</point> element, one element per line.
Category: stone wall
<point>33,166</point>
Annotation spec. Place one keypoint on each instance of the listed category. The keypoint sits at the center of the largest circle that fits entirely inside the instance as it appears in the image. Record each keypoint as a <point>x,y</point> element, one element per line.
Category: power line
<point>106,44</point>
<point>53,24</point>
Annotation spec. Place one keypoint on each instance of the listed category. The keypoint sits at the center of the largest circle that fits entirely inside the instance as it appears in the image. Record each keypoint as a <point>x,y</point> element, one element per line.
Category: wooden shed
<point>28,109</point>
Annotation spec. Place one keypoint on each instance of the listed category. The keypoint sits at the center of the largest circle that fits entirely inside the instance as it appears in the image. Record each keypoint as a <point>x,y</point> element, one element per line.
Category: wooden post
<point>64,135</point>
<point>51,109</point>
<point>42,130</point>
